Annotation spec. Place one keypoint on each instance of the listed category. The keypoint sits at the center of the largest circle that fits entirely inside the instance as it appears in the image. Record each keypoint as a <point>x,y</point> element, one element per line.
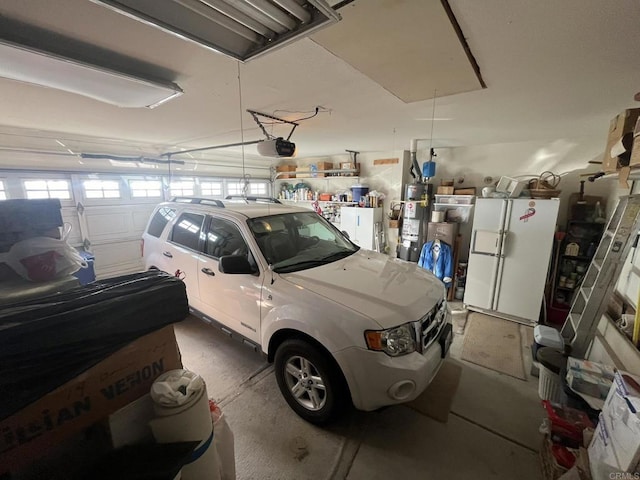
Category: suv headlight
<point>394,341</point>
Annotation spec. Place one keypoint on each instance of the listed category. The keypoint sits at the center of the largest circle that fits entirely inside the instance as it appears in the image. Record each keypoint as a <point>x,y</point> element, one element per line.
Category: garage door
<point>108,213</point>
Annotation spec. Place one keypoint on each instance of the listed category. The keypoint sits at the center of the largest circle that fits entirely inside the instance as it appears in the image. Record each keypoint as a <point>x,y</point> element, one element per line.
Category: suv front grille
<point>431,324</point>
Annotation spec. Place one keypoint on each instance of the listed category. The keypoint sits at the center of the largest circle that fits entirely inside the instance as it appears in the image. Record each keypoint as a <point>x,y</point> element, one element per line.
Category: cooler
<point>86,275</point>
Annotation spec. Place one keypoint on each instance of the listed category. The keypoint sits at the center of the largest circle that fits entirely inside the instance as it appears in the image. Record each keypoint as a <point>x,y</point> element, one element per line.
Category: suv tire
<point>309,381</point>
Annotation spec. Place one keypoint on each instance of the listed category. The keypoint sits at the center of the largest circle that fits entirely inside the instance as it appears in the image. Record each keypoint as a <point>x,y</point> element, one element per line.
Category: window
<point>211,189</point>
<point>235,188</point>
<point>183,188</point>
<point>3,192</point>
<point>258,188</point>
<point>37,189</point>
<point>224,238</point>
<point>146,188</point>
<point>160,220</point>
<point>186,231</point>
<point>101,188</point>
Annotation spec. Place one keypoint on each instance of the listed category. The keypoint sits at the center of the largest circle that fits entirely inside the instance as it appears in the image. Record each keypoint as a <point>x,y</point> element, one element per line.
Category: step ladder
<point>602,275</point>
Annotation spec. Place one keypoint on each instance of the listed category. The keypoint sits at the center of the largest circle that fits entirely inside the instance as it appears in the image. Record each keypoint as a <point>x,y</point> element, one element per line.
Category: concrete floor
<point>492,432</point>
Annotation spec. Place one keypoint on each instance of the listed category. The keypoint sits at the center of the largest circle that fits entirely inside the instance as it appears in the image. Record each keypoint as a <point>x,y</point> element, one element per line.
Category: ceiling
<point>552,69</point>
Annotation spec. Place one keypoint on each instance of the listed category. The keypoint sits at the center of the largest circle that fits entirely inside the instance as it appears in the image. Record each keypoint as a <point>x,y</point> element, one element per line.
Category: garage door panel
<point>141,217</point>
<point>105,226</point>
<point>115,232</point>
<point>70,216</point>
<point>119,257</point>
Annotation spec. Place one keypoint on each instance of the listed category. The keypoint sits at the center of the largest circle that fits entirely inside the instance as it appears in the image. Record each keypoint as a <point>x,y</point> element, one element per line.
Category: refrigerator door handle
<point>503,250</point>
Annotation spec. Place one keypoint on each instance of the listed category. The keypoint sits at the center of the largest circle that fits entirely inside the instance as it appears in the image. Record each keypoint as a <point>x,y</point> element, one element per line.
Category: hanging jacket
<point>442,267</point>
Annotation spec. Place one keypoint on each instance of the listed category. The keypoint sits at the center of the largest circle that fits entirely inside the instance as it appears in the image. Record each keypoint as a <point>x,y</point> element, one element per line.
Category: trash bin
<point>86,275</point>
<point>545,336</point>
<point>552,362</point>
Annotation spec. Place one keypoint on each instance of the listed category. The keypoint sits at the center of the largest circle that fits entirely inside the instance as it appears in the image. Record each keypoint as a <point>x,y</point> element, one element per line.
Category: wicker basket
<point>550,468</point>
<point>545,186</point>
<point>544,193</point>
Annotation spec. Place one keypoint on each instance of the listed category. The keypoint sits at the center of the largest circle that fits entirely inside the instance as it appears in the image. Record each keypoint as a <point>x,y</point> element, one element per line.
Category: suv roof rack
<point>198,200</point>
<point>253,199</point>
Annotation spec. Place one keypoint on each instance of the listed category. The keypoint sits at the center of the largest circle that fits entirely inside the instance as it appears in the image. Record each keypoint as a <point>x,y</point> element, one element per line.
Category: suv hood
<point>389,291</point>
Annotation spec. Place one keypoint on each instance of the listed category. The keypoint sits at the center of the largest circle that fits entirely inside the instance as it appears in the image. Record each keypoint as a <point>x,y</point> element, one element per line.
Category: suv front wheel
<point>309,382</point>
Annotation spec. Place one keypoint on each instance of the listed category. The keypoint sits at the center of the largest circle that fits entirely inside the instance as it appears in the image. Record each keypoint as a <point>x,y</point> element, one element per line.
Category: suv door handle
<point>167,254</point>
<point>208,271</point>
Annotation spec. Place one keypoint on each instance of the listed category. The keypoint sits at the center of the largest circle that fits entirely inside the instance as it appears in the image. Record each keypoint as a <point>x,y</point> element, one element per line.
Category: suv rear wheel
<point>309,382</point>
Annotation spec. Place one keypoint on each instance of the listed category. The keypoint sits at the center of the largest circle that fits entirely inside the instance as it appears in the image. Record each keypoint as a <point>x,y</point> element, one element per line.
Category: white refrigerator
<point>511,245</point>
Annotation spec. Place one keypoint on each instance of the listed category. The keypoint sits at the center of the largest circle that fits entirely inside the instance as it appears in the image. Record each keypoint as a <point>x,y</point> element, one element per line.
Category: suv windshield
<point>297,241</point>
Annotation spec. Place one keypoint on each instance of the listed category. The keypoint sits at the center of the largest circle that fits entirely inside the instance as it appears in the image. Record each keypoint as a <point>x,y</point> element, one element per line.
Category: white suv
<point>341,323</point>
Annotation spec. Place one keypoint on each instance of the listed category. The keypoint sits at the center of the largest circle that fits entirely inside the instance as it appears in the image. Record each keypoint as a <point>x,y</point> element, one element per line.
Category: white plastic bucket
<point>549,385</point>
<point>181,405</point>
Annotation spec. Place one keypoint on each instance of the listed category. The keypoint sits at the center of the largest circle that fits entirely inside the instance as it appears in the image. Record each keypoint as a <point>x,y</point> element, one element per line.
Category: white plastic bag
<point>42,259</point>
<point>223,443</point>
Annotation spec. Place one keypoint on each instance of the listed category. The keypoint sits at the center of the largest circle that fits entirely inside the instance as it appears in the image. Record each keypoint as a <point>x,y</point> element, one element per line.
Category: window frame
<point>219,182</point>
<point>25,180</point>
<point>169,221</point>
<point>176,222</point>
<point>147,197</point>
<point>208,222</point>
<point>102,189</point>
<point>191,180</point>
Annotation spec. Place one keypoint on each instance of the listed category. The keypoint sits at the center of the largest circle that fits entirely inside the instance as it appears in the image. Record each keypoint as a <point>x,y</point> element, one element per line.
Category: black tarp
<point>47,341</point>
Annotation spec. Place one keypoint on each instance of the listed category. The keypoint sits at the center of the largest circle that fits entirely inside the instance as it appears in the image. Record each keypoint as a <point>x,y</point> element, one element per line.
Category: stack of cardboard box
<point>615,448</point>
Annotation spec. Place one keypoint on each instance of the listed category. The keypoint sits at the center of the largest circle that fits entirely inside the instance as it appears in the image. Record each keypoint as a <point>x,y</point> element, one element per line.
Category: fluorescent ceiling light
<point>38,67</point>
<point>242,29</point>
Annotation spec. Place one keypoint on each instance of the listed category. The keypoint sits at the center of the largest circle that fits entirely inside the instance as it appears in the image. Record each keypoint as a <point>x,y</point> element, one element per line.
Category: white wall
<point>385,179</point>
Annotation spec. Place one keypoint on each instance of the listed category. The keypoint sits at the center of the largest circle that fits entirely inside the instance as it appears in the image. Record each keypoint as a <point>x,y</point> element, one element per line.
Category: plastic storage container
<point>548,337</point>
<point>545,336</point>
<point>359,191</point>
<point>455,199</point>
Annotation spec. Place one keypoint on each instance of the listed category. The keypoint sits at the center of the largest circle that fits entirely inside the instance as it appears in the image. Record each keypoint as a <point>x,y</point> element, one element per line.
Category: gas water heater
<point>416,208</point>
<point>415,217</point>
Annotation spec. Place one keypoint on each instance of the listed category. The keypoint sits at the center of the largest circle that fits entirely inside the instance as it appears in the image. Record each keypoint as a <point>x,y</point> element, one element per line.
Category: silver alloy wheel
<point>305,383</point>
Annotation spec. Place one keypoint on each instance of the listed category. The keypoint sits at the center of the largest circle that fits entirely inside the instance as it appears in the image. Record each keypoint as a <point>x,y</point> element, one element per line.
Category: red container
<point>567,424</point>
<point>557,313</point>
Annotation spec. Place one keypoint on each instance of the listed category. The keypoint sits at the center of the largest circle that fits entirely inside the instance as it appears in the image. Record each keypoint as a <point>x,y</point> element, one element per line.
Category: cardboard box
<point>323,166</point>
<point>88,398</point>
<point>349,166</point>
<point>621,413</point>
<point>444,190</point>
<point>588,383</point>
<point>622,124</point>
<point>445,232</point>
<point>286,169</point>
<point>602,458</point>
<point>303,172</point>
<point>594,368</point>
<point>464,191</point>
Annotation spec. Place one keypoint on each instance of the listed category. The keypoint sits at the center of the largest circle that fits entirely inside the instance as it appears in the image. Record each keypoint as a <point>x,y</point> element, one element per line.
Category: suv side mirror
<point>345,234</point>
<point>236,264</point>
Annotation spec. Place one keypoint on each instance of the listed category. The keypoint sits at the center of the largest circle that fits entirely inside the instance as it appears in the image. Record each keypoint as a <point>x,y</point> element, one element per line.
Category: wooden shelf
<point>335,173</point>
<point>319,201</point>
<point>579,258</point>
